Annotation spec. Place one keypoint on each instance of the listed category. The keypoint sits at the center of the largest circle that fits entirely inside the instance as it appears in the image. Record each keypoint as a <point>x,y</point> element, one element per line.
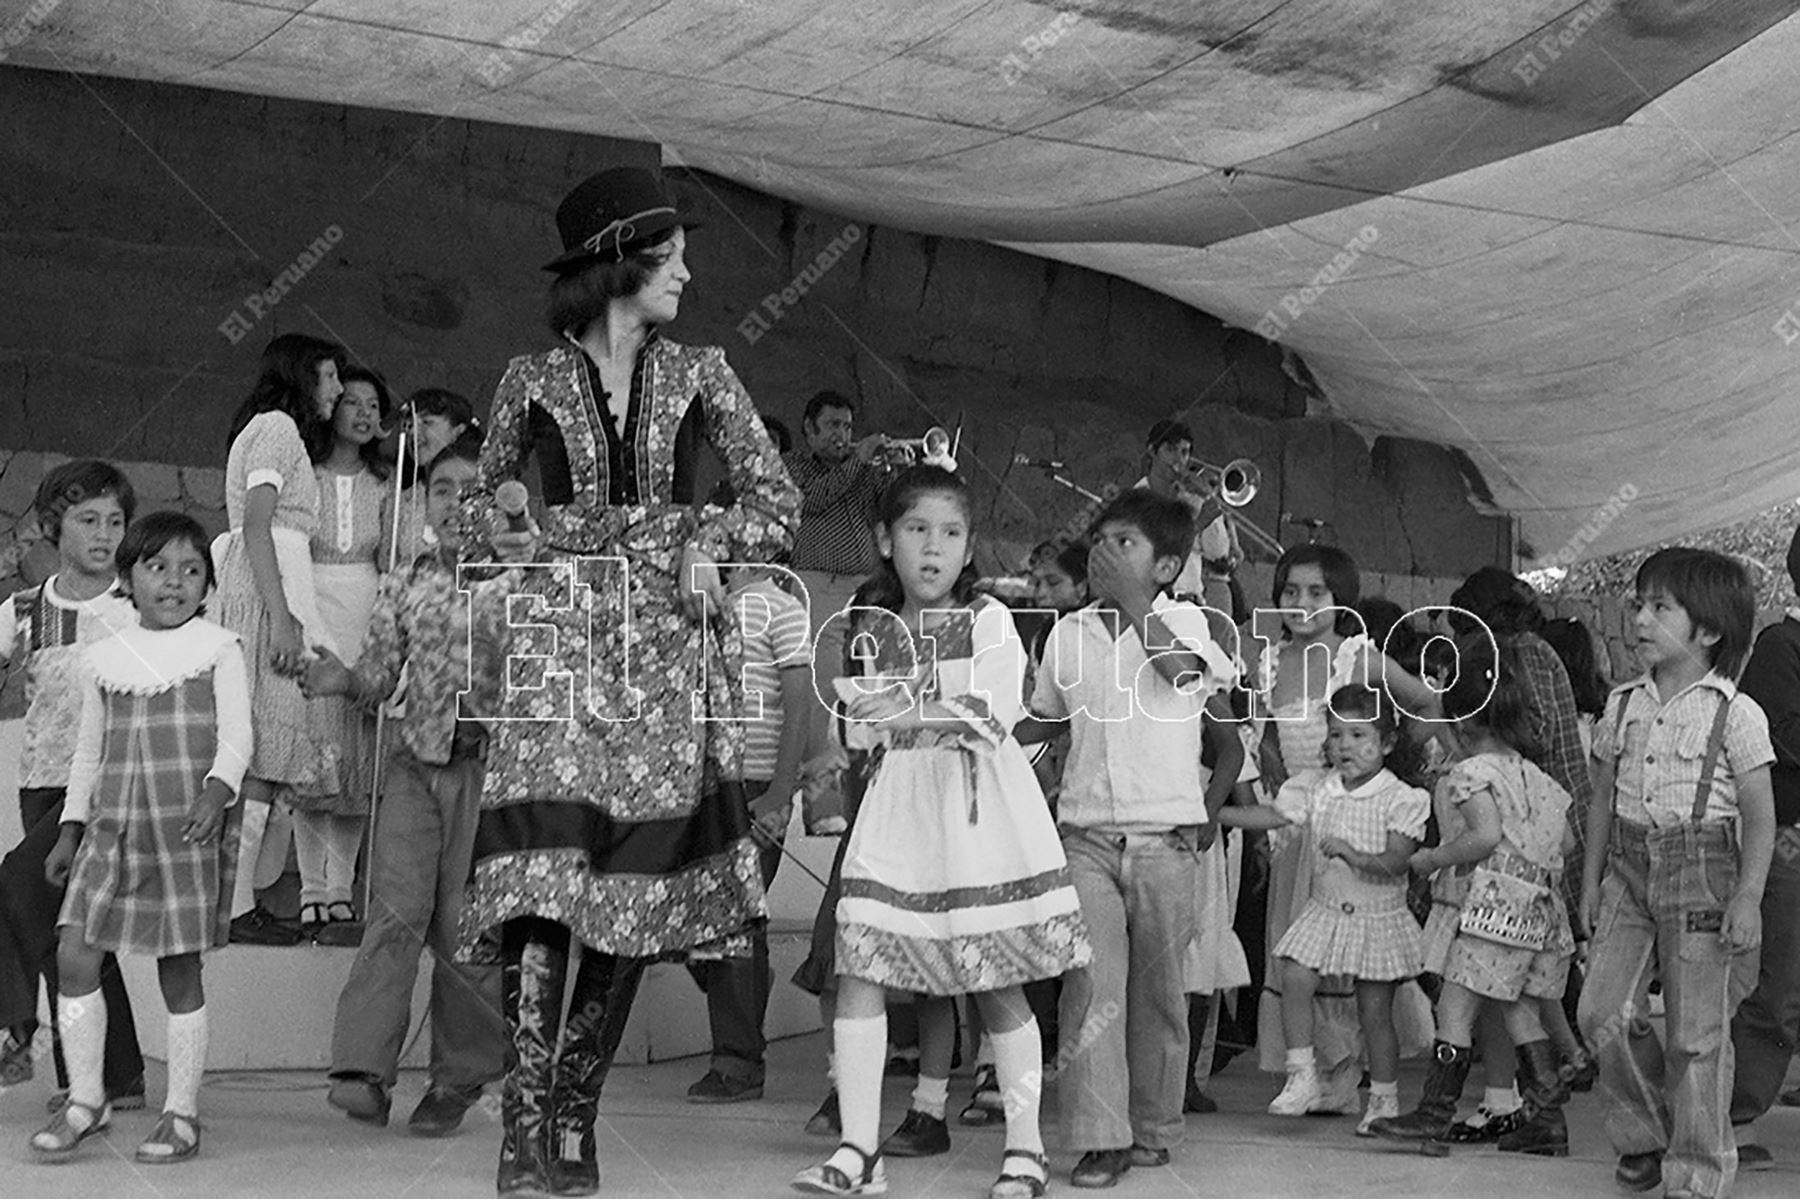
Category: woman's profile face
<point>659,300</point>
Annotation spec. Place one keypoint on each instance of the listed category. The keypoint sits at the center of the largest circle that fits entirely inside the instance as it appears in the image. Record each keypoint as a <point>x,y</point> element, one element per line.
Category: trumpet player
<point>1211,563</point>
<point>841,480</point>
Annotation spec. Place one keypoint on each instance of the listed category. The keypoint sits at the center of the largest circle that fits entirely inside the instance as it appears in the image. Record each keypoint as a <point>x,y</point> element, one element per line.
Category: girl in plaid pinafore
<point>149,827</point>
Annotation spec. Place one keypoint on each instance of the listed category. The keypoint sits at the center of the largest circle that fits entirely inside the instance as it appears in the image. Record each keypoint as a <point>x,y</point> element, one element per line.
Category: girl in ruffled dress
<point>1319,647</point>
<point>1365,824</point>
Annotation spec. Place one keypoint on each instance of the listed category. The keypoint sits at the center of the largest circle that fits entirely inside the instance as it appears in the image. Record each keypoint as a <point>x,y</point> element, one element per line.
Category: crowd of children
<point>1043,820</point>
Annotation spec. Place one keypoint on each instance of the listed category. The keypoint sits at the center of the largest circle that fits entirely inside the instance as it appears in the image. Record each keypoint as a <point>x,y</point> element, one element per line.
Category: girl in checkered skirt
<point>149,829</point>
<point>1366,823</point>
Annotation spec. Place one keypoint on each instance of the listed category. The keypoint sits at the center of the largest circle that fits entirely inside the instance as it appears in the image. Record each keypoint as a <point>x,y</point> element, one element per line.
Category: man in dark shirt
<point>1767,1024</point>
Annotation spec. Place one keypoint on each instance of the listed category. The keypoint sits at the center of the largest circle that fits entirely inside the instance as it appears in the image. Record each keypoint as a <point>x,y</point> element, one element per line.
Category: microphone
<point>1040,463</point>
<point>511,498</point>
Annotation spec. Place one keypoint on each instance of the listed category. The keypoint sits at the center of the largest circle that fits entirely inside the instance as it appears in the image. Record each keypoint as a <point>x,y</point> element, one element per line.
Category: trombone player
<point>1210,570</point>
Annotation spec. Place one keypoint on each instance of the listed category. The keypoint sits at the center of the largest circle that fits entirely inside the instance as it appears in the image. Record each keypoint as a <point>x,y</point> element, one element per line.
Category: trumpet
<point>933,449</point>
<point>1234,484</point>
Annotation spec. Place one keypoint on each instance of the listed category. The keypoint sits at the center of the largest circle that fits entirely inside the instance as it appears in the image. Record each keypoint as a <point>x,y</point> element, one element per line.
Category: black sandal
<point>1021,1186</point>
<point>986,1105</point>
<point>827,1179</point>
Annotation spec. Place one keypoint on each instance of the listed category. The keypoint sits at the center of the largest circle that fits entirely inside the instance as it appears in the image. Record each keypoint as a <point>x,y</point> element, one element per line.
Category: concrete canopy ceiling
<point>1562,237</point>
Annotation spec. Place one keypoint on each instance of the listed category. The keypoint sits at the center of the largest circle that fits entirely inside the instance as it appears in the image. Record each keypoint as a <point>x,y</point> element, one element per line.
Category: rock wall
<point>156,237</point>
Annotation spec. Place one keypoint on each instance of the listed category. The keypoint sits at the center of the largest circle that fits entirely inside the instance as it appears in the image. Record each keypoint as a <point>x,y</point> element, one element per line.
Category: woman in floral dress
<point>614,816</point>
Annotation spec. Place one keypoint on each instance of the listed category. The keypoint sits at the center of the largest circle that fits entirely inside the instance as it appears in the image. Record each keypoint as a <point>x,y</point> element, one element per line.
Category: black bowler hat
<point>610,214</point>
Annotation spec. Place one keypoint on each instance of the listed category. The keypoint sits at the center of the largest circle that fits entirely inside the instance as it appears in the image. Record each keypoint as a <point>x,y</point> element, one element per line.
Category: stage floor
<point>271,1134</point>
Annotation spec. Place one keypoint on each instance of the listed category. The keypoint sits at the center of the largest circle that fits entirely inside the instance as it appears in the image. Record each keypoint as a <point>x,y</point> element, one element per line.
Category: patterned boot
<point>533,989</point>
<point>605,985</point>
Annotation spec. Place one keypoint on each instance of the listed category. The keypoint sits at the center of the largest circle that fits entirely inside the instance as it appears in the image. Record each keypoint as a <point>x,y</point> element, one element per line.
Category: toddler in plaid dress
<point>149,831</point>
<point>1366,823</point>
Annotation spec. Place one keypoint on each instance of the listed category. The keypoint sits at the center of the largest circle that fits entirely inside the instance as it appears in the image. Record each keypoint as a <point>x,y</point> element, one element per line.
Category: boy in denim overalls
<point>1673,880</point>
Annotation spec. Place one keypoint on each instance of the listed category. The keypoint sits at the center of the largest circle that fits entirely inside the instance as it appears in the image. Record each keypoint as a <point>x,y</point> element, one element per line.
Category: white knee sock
<point>82,1021</point>
<point>861,1054</point>
<point>243,895</point>
<point>311,849</point>
<point>1019,1065</point>
<point>343,839</point>
<point>187,1061</point>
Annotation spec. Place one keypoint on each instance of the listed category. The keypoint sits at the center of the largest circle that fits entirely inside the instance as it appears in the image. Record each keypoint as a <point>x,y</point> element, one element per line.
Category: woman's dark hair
<point>370,451</point>
<point>287,380</point>
<point>1491,693</point>
<point>1360,702</point>
<point>1341,577</point>
<point>1575,646</point>
<point>579,297</point>
<point>882,589</point>
<point>1500,599</point>
<point>1384,618</point>
<point>146,538</point>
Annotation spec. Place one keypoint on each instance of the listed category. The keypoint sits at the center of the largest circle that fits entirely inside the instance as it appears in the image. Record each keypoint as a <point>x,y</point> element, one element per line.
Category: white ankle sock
<point>187,1061</point>
<point>1500,1100</point>
<point>1018,1065</point>
<point>931,1096</point>
<point>81,1019</point>
<point>1384,1088</point>
<point>1300,1058</point>
<point>861,1054</point>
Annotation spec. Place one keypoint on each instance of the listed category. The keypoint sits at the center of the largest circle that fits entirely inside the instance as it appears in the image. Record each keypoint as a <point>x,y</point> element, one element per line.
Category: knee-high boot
<point>605,986</point>
<point>532,979</point>
<point>1545,1091</point>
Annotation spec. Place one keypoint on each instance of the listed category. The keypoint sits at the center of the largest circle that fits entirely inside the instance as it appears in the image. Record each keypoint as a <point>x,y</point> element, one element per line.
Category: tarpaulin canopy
<point>1559,236</point>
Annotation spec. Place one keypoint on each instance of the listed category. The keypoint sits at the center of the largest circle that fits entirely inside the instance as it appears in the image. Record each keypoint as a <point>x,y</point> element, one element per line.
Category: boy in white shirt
<point>1131,675</point>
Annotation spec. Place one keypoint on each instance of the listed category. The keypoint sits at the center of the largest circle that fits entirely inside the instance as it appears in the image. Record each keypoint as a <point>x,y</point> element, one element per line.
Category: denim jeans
<point>1124,1018</point>
<point>1662,897</point>
<point>1766,1028</point>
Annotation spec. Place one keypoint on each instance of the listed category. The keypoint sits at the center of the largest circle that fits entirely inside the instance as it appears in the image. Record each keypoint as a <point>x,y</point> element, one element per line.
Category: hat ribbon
<point>623,230</point>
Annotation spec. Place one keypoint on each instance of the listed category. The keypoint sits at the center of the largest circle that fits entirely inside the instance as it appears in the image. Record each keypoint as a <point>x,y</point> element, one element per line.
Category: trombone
<point>1234,485</point>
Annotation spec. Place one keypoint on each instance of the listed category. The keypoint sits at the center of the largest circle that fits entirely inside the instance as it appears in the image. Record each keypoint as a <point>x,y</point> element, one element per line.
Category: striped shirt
<point>1662,747</point>
<point>776,636</point>
<point>838,515</point>
<point>43,633</point>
